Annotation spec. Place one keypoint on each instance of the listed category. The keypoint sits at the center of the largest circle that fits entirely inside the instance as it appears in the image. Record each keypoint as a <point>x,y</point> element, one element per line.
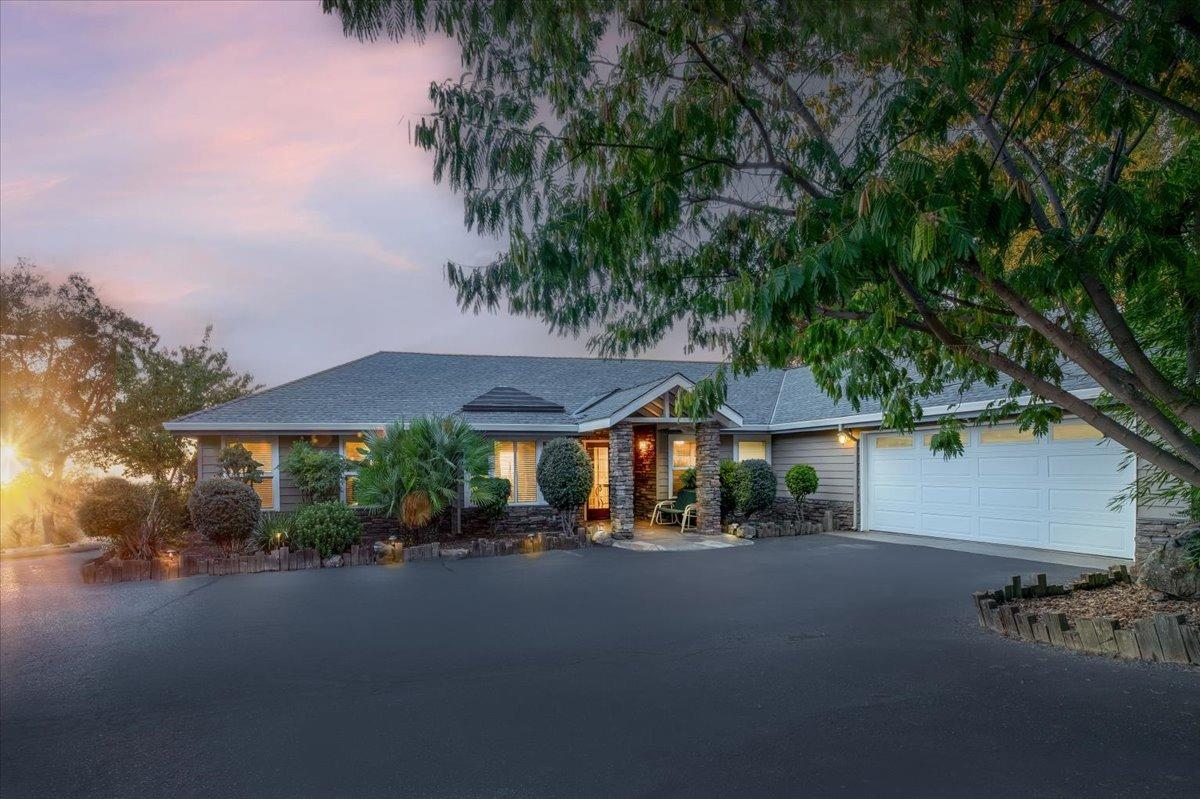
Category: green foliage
<point>687,478</point>
<point>730,474</point>
<point>238,464</point>
<point>416,472</point>
<point>328,527</point>
<point>564,475</point>
<point>274,529</point>
<point>490,497</point>
<point>911,198</point>
<point>113,509</point>
<point>755,487</point>
<point>1192,551</point>
<point>318,473</point>
<point>224,511</point>
<point>801,481</point>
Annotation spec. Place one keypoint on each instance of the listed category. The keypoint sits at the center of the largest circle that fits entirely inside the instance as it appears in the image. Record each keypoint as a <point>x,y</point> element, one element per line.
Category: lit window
<point>263,451</point>
<point>751,450</point>
<point>352,450</point>
<point>516,461</point>
<point>893,442</point>
<point>1075,431</point>
<point>350,500</point>
<point>1006,435</point>
<point>683,457</point>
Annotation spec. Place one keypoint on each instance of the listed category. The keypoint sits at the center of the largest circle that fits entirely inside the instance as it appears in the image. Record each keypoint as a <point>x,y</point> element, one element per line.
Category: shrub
<point>564,474</point>
<point>115,510</point>
<point>731,472</point>
<point>687,478</point>
<point>318,473</point>
<point>237,463</point>
<point>801,480</point>
<point>490,496</point>
<point>755,487</point>
<point>274,529</point>
<point>328,527</point>
<point>224,511</point>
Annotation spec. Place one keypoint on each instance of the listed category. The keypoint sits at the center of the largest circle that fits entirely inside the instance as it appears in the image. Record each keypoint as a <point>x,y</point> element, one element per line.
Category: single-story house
<point>1009,487</point>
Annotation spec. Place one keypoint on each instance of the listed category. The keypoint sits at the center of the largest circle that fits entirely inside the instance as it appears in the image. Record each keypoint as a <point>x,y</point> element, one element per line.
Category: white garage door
<point>1008,487</point>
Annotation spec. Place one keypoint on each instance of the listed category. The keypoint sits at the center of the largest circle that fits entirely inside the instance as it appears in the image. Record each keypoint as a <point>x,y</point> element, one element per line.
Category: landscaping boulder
<point>454,554</point>
<point>1171,568</point>
<point>332,562</point>
<point>602,538</point>
<point>747,531</point>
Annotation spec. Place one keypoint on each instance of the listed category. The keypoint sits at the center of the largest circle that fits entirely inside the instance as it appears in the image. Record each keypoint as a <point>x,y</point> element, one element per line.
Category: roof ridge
<point>544,357</point>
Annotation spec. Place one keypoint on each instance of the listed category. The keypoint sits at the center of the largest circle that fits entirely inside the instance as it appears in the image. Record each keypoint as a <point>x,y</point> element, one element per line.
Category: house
<point>1009,487</point>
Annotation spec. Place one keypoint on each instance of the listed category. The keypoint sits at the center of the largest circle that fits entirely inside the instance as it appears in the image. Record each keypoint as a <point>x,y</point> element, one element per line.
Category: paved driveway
<point>803,666</point>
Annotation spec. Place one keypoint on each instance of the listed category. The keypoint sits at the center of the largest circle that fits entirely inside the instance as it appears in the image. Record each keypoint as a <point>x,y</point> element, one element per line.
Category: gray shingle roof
<point>387,386</point>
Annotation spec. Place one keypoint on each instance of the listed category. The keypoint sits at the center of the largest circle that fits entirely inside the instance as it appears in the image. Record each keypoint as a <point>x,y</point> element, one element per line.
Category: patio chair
<point>673,508</point>
<point>690,514</point>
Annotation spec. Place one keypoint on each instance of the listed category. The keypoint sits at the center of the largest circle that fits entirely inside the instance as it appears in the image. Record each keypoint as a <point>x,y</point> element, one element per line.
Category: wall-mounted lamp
<point>845,436</point>
<point>643,446</point>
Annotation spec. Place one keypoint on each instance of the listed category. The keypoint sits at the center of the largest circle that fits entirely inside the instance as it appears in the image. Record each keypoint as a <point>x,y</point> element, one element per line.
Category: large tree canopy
<point>904,196</point>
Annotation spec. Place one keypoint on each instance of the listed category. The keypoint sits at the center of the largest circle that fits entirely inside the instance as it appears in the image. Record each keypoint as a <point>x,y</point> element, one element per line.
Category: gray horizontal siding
<point>836,464</point>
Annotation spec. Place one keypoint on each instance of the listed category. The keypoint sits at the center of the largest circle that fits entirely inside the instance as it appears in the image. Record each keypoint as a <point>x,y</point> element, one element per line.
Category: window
<point>517,462</point>
<point>1075,431</point>
<point>263,451</point>
<point>750,450</point>
<point>1006,435</point>
<point>683,457</point>
<point>353,449</point>
<point>893,442</point>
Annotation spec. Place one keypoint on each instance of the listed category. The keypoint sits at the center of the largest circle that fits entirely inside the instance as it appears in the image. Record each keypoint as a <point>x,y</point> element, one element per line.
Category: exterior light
<point>643,446</point>
<point>845,436</point>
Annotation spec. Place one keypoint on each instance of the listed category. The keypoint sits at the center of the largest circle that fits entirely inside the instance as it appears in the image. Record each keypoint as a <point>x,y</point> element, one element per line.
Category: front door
<point>597,504</point>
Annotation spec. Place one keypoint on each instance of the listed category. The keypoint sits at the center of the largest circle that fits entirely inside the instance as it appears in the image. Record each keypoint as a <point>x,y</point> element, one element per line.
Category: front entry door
<point>597,504</point>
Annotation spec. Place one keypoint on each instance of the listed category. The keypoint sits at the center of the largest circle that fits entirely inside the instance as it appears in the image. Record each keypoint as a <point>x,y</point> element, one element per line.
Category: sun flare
<point>10,463</point>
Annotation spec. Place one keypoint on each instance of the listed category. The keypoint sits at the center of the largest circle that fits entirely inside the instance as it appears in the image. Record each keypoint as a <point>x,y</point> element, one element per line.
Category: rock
<point>379,547</point>
<point>454,554</point>
<point>602,538</point>
<point>747,531</point>
<point>332,562</point>
<point>1169,568</point>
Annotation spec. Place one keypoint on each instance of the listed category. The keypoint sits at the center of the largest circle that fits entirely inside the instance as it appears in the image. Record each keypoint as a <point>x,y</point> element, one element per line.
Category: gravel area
<point>1124,602</point>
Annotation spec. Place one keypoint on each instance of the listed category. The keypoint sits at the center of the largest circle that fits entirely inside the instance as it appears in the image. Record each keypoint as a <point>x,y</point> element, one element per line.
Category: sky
<point>242,165</point>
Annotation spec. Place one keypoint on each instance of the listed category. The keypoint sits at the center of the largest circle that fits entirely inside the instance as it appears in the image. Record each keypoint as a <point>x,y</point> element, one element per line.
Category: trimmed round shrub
<point>755,487</point>
<point>115,509</point>
<point>328,527</point>
<point>801,481</point>
<point>224,511</point>
<point>564,474</point>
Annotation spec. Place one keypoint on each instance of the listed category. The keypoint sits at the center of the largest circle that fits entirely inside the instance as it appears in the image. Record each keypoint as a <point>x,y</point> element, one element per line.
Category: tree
<point>59,370</point>
<point>801,481</point>
<point>238,464</point>
<point>564,476</point>
<point>155,386</point>
<point>317,473</point>
<point>908,197</point>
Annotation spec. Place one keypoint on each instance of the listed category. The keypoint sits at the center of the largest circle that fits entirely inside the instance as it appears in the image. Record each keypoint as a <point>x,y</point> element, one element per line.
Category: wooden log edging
<point>1166,637</point>
<point>170,567</point>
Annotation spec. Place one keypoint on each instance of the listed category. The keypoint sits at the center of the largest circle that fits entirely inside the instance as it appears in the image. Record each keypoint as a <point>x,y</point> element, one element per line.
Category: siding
<point>836,464</point>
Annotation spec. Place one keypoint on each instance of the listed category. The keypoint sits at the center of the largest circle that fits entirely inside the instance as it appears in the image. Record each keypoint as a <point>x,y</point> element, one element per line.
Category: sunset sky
<point>243,165</point>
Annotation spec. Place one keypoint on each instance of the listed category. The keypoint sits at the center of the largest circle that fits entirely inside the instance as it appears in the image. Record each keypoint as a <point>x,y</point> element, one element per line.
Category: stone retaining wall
<point>1153,533</point>
<point>1166,637</point>
<point>827,514</point>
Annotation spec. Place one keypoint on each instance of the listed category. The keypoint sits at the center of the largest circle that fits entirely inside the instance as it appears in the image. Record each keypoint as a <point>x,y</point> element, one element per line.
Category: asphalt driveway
<point>802,666</point>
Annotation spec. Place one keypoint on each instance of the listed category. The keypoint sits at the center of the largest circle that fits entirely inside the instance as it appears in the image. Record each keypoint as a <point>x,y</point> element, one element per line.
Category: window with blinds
<point>263,451</point>
<point>352,450</point>
<point>516,461</point>
<point>752,450</point>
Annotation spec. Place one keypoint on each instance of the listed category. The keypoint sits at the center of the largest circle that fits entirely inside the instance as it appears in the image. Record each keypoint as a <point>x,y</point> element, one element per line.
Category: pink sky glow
<point>244,165</point>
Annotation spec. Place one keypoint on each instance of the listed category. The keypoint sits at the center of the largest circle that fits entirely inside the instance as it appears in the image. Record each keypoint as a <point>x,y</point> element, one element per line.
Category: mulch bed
<point>1124,602</point>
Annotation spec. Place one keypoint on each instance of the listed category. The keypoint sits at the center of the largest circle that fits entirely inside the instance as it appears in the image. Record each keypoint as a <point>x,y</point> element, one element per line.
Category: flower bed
<point>1061,616</point>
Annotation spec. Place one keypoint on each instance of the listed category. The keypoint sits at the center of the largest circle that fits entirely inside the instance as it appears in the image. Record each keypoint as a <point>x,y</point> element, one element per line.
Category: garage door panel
<point>957,496</point>
<point>1040,493</point>
<point>1022,498</point>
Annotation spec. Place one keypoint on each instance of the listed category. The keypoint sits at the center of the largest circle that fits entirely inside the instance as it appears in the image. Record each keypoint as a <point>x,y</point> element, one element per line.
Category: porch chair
<point>673,508</point>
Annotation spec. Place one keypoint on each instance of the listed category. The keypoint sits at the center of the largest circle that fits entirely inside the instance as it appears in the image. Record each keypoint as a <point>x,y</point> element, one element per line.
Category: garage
<point>1008,487</point>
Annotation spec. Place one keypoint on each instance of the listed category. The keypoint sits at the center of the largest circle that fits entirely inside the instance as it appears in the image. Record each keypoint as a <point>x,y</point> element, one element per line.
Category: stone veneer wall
<point>645,463</point>
<point>708,478</point>
<point>1153,533</point>
<point>784,510</point>
<point>620,478</point>
<point>517,520</point>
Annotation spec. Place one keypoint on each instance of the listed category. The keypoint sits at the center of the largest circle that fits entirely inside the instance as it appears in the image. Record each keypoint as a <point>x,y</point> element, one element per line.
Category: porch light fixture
<point>845,436</point>
<point>643,446</point>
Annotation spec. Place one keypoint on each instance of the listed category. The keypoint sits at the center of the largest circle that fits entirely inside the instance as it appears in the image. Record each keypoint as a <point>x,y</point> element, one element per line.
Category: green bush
<point>801,481</point>
<point>318,473</point>
<point>731,473</point>
<point>754,489</point>
<point>237,463</point>
<point>490,496</point>
<point>687,478</point>
<point>115,509</point>
<point>224,511</point>
<point>328,527</point>
<point>564,474</point>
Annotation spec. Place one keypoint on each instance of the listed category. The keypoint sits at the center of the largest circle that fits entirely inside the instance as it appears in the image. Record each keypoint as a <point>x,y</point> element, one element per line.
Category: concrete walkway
<point>669,538</point>
<point>998,550</point>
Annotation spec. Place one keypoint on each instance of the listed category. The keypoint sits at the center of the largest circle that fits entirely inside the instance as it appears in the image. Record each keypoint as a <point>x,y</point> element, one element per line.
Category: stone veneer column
<point>620,479</point>
<point>708,478</point>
